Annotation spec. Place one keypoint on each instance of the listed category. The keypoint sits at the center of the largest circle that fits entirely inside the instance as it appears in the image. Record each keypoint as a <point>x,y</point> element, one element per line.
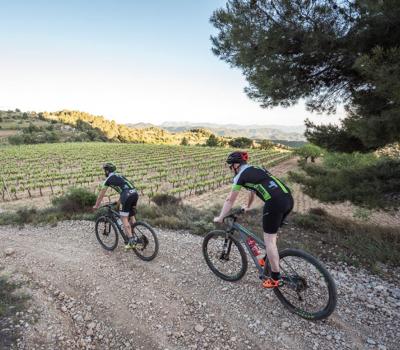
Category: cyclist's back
<point>259,180</point>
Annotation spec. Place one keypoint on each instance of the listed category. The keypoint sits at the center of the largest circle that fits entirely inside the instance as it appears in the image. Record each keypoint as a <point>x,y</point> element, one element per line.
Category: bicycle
<point>108,226</point>
<point>308,289</point>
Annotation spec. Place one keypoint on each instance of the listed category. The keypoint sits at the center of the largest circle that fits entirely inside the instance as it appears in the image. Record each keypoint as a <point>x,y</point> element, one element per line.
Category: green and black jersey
<point>118,183</point>
<point>260,181</point>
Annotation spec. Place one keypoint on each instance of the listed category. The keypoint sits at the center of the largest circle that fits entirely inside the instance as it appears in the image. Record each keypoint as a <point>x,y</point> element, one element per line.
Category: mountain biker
<point>128,199</point>
<point>278,204</point>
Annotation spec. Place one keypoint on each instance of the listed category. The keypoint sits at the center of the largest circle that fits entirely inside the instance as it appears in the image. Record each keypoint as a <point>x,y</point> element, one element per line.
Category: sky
<point>131,61</point>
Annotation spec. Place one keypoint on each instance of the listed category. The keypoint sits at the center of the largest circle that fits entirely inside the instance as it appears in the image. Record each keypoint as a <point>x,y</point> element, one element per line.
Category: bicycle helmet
<point>237,157</point>
<point>110,167</point>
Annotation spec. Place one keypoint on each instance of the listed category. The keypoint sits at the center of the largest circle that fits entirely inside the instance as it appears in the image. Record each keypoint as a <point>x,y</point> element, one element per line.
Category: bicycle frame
<point>114,214</point>
<point>244,235</point>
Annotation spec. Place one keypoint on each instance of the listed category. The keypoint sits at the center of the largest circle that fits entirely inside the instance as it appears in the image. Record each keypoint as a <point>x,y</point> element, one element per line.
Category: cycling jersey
<point>260,181</point>
<point>276,196</point>
<point>128,194</point>
<point>118,182</point>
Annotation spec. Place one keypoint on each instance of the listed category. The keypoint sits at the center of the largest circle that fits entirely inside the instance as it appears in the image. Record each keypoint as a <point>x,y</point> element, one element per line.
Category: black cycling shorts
<point>128,200</point>
<point>275,212</point>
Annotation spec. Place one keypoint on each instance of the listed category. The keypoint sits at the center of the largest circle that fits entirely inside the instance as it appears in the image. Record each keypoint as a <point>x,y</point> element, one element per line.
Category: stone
<point>199,328</point>
<point>64,309</point>
<point>285,325</point>
<point>91,325</point>
<point>9,251</point>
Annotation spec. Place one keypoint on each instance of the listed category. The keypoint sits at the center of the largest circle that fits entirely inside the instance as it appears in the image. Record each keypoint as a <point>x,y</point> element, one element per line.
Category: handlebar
<point>233,215</point>
<point>108,205</point>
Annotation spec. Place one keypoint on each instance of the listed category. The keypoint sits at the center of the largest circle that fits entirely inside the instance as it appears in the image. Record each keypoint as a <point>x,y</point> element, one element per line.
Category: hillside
<point>273,132</point>
<point>18,127</point>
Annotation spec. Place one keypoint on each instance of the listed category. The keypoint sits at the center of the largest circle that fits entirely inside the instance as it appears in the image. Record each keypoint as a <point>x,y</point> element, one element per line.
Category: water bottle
<point>120,224</point>
<point>253,246</point>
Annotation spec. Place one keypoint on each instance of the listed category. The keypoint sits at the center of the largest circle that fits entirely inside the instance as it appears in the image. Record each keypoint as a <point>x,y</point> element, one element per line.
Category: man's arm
<point>250,200</point>
<point>100,197</point>
<point>230,200</point>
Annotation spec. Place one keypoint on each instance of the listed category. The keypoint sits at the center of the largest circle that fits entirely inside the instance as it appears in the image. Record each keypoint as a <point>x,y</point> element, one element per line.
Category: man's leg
<point>127,226</point>
<point>271,222</point>
<point>272,250</point>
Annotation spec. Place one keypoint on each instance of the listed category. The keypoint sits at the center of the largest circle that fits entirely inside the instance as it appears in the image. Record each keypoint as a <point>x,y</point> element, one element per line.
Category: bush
<point>16,140</point>
<point>166,199</point>
<point>266,144</point>
<point>309,151</point>
<point>169,222</point>
<point>76,200</point>
<point>364,180</point>
<point>184,142</point>
<point>241,142</point>
<point>357,242</point>
<point>212,141</point>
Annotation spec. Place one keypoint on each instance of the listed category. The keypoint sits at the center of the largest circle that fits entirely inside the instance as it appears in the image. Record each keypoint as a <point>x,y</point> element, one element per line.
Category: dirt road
<point>85,297</point>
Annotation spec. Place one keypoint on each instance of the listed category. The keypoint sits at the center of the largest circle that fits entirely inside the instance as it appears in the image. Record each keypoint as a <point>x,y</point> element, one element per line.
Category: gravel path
<point>85,297</point>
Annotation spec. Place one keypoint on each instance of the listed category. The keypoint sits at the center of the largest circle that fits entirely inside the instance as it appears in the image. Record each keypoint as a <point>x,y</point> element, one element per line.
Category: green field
<point>47,169</point>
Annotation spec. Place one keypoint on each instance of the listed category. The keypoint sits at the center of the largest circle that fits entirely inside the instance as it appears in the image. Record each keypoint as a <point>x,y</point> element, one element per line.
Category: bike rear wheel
<point>106,232</point>
<point>147,247</point>
<point>224,255</point>
<point>308,290</point>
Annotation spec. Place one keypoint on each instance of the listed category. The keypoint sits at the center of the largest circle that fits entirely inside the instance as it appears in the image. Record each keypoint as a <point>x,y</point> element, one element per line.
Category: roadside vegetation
<point>366,180</point>
<point>336,239</point>
<point>288,52</point>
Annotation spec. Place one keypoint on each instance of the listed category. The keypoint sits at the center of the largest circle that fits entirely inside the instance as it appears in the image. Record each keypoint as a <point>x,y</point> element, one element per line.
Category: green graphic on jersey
<point>260,189</point>
<point>284,189</point>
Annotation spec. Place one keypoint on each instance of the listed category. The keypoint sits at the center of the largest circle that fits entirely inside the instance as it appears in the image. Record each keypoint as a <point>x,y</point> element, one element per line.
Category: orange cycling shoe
<point>271,283</point>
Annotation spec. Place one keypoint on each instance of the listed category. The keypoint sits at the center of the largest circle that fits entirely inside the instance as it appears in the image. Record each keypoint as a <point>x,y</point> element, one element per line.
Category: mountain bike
<point>109,224</point>
<point>308,289</point>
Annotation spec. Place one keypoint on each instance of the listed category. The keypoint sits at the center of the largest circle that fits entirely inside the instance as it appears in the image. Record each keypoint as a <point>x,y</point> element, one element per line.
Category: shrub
<point>309,151</point>
<point>241,142</point>
<point>168,222</point>
<point>75,200</point>
<point>166,199</point>
<point>363,242</point>
<point>364,180</point>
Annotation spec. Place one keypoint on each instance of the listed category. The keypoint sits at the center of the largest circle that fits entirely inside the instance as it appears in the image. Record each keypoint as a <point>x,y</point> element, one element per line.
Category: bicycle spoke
<point>310,293</point>
<point>147,243</point>
<point>224,257</point>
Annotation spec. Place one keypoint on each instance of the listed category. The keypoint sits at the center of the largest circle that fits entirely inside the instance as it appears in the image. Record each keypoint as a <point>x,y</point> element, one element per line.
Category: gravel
<point>84,297</point>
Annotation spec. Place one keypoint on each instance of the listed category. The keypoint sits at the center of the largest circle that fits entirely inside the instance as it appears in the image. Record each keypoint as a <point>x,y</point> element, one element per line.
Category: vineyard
<point>49,169</point>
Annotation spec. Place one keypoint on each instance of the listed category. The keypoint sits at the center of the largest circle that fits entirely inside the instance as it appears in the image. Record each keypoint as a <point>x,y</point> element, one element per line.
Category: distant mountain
<point>271,132</point>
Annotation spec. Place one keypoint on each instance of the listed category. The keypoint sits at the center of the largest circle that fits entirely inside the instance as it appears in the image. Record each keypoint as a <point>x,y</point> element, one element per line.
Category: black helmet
<point>238,157</point>
<point>110,167</point>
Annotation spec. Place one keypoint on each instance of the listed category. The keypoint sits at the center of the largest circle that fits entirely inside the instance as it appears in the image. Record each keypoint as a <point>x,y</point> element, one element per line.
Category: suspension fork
<point>226,249</point>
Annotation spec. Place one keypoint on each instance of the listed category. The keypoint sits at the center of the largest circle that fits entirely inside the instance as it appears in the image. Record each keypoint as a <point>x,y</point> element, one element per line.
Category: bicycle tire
<point>330,306</point>
<point>139,251</point>
<point>243,257</point>
<point>112,229</point>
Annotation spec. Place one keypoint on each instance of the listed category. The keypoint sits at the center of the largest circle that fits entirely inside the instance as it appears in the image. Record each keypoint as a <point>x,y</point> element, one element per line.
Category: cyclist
<point>278,204</point>
<point>128,199</point>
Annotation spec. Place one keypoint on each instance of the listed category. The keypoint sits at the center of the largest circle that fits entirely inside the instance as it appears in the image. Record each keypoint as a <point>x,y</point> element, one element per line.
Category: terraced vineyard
<point>42,170</point>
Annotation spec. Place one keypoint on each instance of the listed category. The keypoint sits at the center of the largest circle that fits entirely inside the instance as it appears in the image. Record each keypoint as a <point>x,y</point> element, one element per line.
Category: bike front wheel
<point>147,241</point>
<point>106,232</point>
<point>224,255</point>
<point>308,290</point>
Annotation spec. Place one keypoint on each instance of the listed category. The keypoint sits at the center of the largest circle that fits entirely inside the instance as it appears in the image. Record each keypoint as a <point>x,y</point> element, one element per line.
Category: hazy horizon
<point>129,61</point>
